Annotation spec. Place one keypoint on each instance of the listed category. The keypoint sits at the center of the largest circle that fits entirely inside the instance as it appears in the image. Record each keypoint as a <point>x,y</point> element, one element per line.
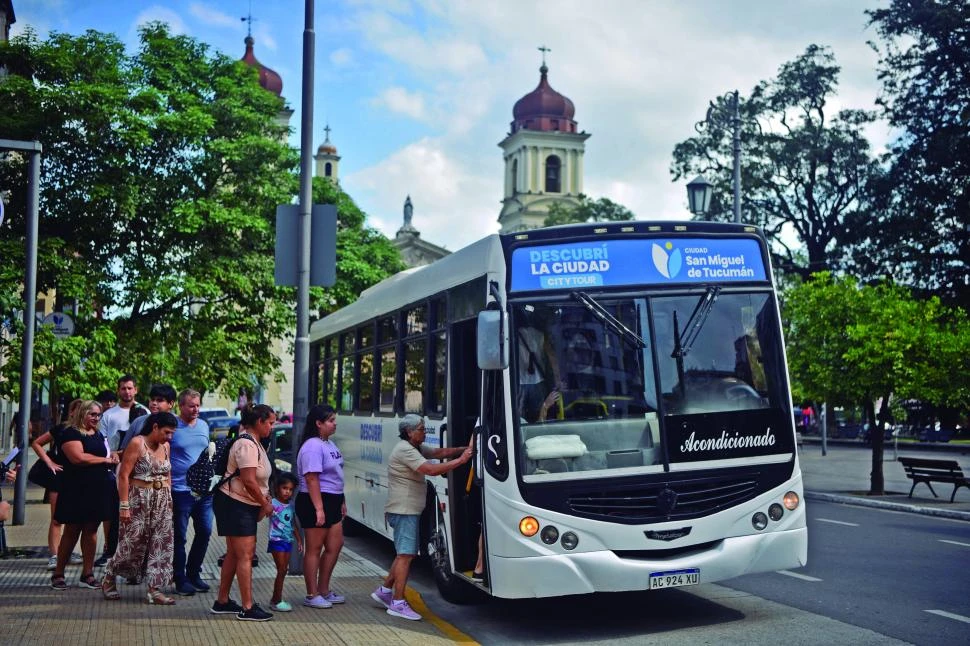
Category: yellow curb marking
<point>417,603</point>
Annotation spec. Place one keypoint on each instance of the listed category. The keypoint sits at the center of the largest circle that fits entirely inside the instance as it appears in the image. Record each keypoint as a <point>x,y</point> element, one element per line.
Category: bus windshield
<point>597,376</point>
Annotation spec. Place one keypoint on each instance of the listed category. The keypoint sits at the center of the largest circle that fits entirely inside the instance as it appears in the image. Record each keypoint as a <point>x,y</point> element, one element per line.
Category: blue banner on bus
<point>609,263</point>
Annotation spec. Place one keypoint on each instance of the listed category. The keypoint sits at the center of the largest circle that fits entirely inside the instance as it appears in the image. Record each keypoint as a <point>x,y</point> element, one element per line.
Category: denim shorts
<point>405,532</point>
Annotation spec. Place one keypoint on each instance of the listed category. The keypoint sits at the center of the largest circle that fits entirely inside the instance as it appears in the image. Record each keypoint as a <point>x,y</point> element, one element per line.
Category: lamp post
<point>731,116</point>
<point>699,192</point>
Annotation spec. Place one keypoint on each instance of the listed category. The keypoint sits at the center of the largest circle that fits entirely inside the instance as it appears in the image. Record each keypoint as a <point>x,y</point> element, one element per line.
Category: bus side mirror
<point>493,340</point>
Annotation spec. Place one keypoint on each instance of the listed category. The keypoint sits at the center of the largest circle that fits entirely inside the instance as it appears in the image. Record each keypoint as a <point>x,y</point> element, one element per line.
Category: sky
<point>418,93</point>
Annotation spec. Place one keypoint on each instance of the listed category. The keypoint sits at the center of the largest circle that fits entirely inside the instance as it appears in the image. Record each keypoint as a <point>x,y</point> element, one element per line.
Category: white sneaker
<point>76,559</point>
<point>316,602</point>
<point>52,563</point>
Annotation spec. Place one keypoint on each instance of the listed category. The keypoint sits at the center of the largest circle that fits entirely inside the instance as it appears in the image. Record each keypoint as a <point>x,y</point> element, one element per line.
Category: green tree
<point>601,210</point>
<point>924,65</point>
<point>849,345</point>
<point>160,178</point>
<point>804,172</point>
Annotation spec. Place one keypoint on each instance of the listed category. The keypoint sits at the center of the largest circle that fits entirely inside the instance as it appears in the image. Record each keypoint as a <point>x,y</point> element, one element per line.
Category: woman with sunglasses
<point>88,494</point>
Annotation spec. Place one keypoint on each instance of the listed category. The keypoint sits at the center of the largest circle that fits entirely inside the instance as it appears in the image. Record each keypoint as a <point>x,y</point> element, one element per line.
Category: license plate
<point>675,579</point>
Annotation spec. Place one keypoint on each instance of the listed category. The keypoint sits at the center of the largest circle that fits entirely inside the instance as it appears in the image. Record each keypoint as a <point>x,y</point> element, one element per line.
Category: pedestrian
<point>240,502</point>
<point>407,488</point>
<point>87,494</point>
<point>115,421</point>
<point>108,400</point>
<point>53,458</point>
<point>145,512</point>
<point>8,473</point>
<point>282,535</point>
<point>191,439</point>
<point>161,399</point>
<point>320,505</point>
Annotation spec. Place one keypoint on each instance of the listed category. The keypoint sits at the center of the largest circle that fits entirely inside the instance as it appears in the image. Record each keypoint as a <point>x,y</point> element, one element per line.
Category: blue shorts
<point>280,546</point>
<point>405,532</point>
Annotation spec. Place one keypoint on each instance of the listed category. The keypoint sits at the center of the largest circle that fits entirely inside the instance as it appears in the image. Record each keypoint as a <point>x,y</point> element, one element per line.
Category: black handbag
<point>41,475</point>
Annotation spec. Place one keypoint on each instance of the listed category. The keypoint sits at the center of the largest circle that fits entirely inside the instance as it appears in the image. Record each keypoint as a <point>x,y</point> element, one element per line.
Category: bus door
<point>464,403</point>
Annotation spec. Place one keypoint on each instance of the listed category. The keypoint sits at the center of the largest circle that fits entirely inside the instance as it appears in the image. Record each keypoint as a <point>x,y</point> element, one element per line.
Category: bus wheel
<point>451,587</point>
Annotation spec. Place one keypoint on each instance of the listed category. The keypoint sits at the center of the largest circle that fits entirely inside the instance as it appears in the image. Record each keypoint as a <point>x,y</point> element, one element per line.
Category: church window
<point>515,176</point>
<point>553,167</point>
<point>328,169</point>
<point>555,124</point>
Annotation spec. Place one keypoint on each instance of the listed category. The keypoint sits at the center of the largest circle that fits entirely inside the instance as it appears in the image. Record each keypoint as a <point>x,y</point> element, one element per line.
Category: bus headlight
<point>549,535</point>
<point>529,526</point>
<point>759,521</point>
<point>570,541</point>
<point>775,512</point>
<point>790,501</point>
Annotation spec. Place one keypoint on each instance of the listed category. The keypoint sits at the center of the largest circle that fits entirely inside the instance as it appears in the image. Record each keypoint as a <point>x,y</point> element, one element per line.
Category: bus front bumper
<point>605,571</point>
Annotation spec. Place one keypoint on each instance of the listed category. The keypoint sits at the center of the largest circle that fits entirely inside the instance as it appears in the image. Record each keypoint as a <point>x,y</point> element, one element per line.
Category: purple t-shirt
<point>323,457</point>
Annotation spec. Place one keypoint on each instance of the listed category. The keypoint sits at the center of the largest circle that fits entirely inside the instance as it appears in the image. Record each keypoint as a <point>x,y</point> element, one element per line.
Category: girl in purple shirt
<point>320,505</point>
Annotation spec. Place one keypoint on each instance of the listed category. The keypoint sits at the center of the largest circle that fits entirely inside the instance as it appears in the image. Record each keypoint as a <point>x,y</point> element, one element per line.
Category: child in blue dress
<point>282,536</point>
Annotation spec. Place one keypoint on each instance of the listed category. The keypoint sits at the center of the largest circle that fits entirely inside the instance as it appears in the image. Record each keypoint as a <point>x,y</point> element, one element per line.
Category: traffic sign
<point>62,323</point>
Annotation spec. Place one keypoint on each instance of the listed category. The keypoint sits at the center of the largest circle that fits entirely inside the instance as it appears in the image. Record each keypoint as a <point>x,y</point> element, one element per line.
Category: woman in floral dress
<point>146,536</point>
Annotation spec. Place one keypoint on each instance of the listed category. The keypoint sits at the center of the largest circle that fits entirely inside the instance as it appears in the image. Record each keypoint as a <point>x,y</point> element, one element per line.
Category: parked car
<point>220,427</point>
<point>280,447</point>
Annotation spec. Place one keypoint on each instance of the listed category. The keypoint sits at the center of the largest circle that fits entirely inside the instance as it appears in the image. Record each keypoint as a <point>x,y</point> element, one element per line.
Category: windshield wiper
<point>609,320</point>
<point>683,344</point>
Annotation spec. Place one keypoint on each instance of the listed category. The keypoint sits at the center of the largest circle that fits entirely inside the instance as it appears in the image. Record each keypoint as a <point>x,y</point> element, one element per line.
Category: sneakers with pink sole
<point>403,610</point>
<point>383,598</point>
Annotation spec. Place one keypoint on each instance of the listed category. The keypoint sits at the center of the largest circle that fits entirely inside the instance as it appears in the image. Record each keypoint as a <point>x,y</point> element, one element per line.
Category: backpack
<point>214,467</point>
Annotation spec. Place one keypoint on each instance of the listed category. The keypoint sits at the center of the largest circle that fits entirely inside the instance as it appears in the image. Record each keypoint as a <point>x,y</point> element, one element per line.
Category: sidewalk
<point>32,613</point>
<point>843,476</point>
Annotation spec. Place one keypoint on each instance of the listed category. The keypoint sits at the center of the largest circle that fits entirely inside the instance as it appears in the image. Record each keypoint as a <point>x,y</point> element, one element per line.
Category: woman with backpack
<point>239,503</point>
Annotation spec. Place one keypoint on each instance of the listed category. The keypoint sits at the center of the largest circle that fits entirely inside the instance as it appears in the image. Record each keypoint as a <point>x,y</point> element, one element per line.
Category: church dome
<point>268,79</point>
<point>544,109</point>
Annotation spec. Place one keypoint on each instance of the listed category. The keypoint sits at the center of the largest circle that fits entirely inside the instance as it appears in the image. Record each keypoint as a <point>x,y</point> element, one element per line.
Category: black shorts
<point>307,515</point>
<point>234,518</point>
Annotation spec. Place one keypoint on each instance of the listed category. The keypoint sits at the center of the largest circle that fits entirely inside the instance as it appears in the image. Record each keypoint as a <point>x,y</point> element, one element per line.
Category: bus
<point>662,453</point>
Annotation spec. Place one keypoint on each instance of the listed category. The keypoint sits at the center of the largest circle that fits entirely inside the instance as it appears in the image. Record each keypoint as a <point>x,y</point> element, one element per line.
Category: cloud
<point>160,14</point>
<point>400,101</point>
<point>343,57</point>
<point>213,17</point>
<point>454,204</point>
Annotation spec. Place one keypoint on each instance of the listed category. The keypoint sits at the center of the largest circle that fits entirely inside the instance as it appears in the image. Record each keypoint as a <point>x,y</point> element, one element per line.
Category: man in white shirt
<point>114,424</point>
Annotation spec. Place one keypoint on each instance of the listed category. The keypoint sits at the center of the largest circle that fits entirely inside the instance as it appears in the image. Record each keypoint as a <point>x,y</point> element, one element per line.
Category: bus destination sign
<point>609,263</point>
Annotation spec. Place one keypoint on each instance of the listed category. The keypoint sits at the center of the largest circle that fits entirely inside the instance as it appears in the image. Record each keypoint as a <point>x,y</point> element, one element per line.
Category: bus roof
<point>413,284</point>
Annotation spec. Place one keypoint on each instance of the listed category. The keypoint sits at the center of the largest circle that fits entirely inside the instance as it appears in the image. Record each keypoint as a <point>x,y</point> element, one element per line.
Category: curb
<point>892,506</point>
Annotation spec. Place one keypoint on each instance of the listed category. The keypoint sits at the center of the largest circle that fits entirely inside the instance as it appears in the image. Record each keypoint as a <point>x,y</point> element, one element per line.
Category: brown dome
<point>544,109</point>
<point>268,79</point>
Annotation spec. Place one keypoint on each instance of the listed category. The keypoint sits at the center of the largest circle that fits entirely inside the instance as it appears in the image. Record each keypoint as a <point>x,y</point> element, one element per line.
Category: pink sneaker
<point>403,610</point>
<point>383,598</point>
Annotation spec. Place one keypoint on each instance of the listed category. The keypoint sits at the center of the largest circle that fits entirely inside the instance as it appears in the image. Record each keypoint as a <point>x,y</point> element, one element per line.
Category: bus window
<point>415,362</point>
<point>388,379</point>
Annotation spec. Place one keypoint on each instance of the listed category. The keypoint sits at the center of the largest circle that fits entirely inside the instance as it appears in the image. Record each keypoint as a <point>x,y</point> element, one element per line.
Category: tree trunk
<point>877,483</point>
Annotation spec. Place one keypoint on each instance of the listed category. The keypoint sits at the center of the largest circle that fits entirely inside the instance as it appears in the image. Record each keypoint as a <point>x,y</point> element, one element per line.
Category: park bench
<point>925,470</point>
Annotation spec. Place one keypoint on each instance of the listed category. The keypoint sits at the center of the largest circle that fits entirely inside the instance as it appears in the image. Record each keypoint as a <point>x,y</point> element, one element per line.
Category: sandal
<point>58,582</point>
<point>110,590</point>
<point>159,598</point>
<point>88,581</point>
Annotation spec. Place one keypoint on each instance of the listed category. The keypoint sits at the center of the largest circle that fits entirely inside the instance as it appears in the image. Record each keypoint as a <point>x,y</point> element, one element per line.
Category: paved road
<point>899,574</point>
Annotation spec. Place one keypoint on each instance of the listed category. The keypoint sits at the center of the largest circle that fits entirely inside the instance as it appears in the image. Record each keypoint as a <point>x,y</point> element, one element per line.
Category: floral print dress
<point>146,541</point>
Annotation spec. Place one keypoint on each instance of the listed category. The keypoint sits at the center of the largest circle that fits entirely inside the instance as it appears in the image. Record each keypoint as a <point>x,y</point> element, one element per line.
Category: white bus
<point>628,389</point>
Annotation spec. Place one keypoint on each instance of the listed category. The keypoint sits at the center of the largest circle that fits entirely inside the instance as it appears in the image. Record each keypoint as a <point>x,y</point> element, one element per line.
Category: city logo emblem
<point>667,260</point>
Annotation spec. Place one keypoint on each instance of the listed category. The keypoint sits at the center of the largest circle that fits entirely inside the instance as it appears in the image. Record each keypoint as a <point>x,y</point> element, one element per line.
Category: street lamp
<point>699,192</point>
<point>729,115</point>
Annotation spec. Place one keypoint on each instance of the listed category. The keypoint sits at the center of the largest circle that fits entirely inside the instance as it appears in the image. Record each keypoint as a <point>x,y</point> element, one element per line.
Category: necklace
<point>85,431</point>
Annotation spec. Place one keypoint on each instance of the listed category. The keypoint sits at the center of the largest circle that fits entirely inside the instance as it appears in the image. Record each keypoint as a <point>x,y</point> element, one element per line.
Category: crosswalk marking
<point>796,575</point>
<point>943,540</point>
<point>836,522</point>
<point>950,615</point>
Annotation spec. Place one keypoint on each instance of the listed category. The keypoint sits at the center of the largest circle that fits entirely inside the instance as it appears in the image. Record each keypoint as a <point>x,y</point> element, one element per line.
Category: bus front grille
<point>672,499</point>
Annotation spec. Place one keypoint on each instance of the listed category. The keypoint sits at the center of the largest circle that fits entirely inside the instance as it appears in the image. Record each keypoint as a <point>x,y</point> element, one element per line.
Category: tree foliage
<point>924,65</point>
<point>804,172</point>
<point>601,210</point>
<point>161,174</point>
<point>850,345</point>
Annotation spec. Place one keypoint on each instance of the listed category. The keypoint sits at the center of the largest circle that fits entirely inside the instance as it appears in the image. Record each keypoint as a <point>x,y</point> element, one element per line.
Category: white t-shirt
<point>113,421</point>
